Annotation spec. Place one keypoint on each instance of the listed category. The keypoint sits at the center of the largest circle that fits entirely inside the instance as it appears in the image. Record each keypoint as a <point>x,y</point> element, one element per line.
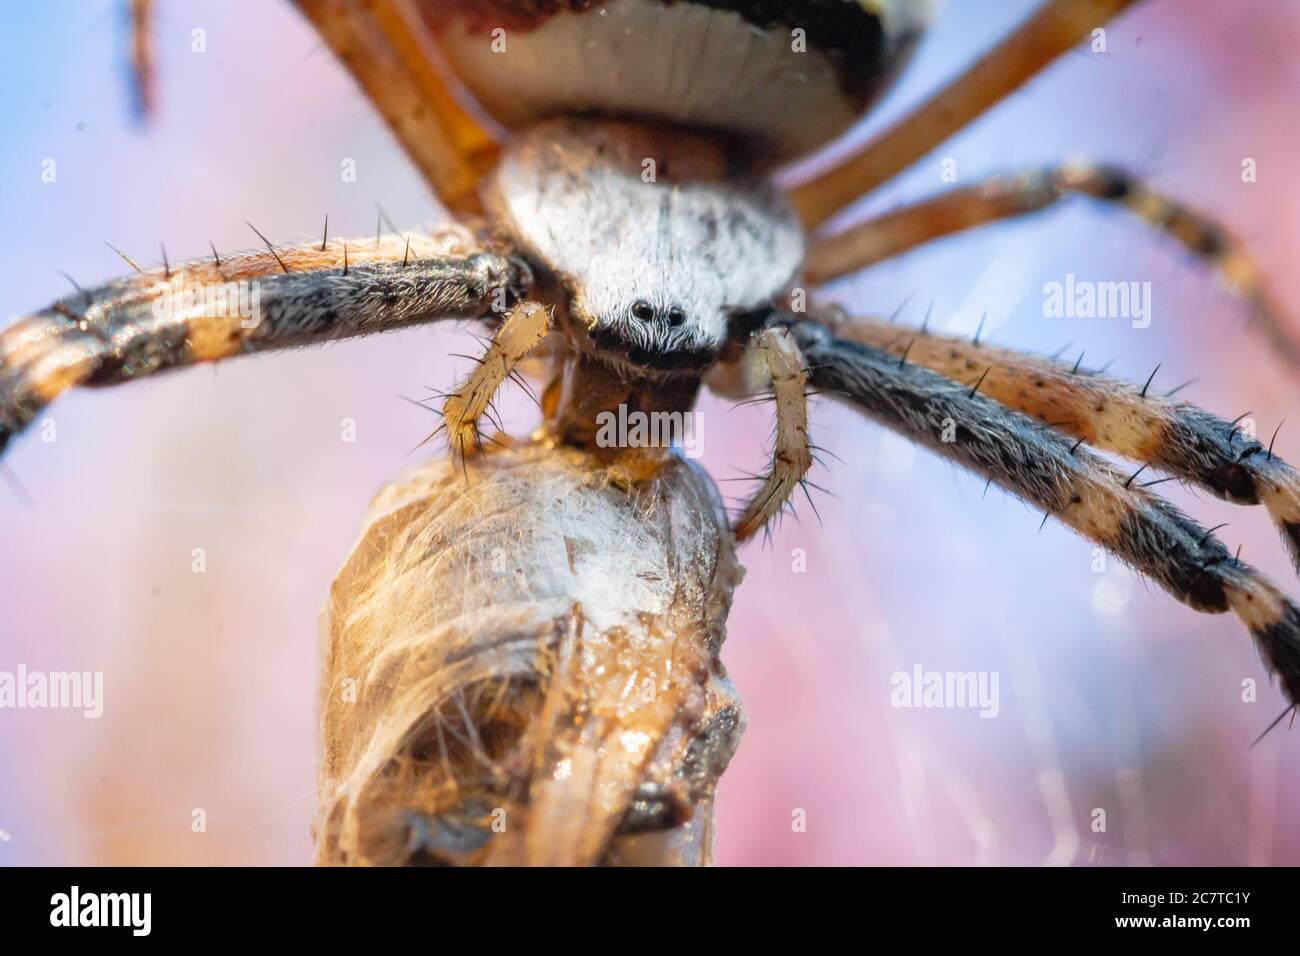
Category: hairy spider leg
<point>1006,196</point>
<point>1174,437</point>
<point>1049,32</point>
<point>211,309</point>
<point>1081,490</point>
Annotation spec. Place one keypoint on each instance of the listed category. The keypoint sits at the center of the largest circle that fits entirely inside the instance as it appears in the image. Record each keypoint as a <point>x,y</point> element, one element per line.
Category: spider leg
<point>1007,196</point>
<point>1048,470</point>
<point>389,52</point>
<point>142,61</point>
<point>212,309</point>
<point>525,328</point>
<point>791,458</point>
<point>1056,27</point>
<point>1174,437</point>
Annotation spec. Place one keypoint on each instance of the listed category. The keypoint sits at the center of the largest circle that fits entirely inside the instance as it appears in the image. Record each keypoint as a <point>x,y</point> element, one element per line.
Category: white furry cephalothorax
<point>656,254</point>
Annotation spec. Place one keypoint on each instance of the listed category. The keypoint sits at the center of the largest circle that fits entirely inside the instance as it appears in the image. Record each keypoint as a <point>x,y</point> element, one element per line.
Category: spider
<point>622,227</point>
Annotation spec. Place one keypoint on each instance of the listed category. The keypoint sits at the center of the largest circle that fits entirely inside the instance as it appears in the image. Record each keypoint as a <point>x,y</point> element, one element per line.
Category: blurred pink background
<point>1113,696</point>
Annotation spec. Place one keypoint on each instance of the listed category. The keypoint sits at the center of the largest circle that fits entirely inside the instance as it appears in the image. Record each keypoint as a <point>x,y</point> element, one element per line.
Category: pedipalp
<point>792,454</point>
<point>522,332</point>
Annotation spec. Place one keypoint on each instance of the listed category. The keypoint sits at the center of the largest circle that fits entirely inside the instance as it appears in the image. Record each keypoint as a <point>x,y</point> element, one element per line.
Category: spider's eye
<point>676,315</point>
<point>643,310</point>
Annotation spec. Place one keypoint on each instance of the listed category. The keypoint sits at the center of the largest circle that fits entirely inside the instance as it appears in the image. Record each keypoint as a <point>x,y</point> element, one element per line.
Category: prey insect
<point>626,233</point>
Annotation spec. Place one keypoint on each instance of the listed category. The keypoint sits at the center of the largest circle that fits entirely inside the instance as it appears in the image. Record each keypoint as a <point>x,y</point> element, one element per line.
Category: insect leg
<point>1007,196</point>
<point>211,309</point>
<point>791,457</point>
<point>388,51</point>
<point>1056,27</point>
<point>525,328</point>
<point>1174,437</point>
<point>1071,484</point>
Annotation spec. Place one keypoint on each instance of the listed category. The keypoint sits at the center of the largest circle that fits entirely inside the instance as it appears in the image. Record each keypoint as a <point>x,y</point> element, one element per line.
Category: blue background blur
<point>1112,695</point>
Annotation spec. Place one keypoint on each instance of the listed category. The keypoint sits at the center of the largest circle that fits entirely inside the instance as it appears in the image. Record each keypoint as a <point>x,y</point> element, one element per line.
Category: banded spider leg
<point>1051,470</point>
<point>994,200</point>
<point>293,295</point>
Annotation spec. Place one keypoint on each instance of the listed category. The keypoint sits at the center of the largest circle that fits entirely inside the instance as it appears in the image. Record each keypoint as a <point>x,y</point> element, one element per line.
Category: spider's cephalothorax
<point>653,237</point>
<point>785,76</point>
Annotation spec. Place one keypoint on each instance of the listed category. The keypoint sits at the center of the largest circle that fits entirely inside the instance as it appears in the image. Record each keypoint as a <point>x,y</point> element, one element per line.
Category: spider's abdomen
<point>785,76</point>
